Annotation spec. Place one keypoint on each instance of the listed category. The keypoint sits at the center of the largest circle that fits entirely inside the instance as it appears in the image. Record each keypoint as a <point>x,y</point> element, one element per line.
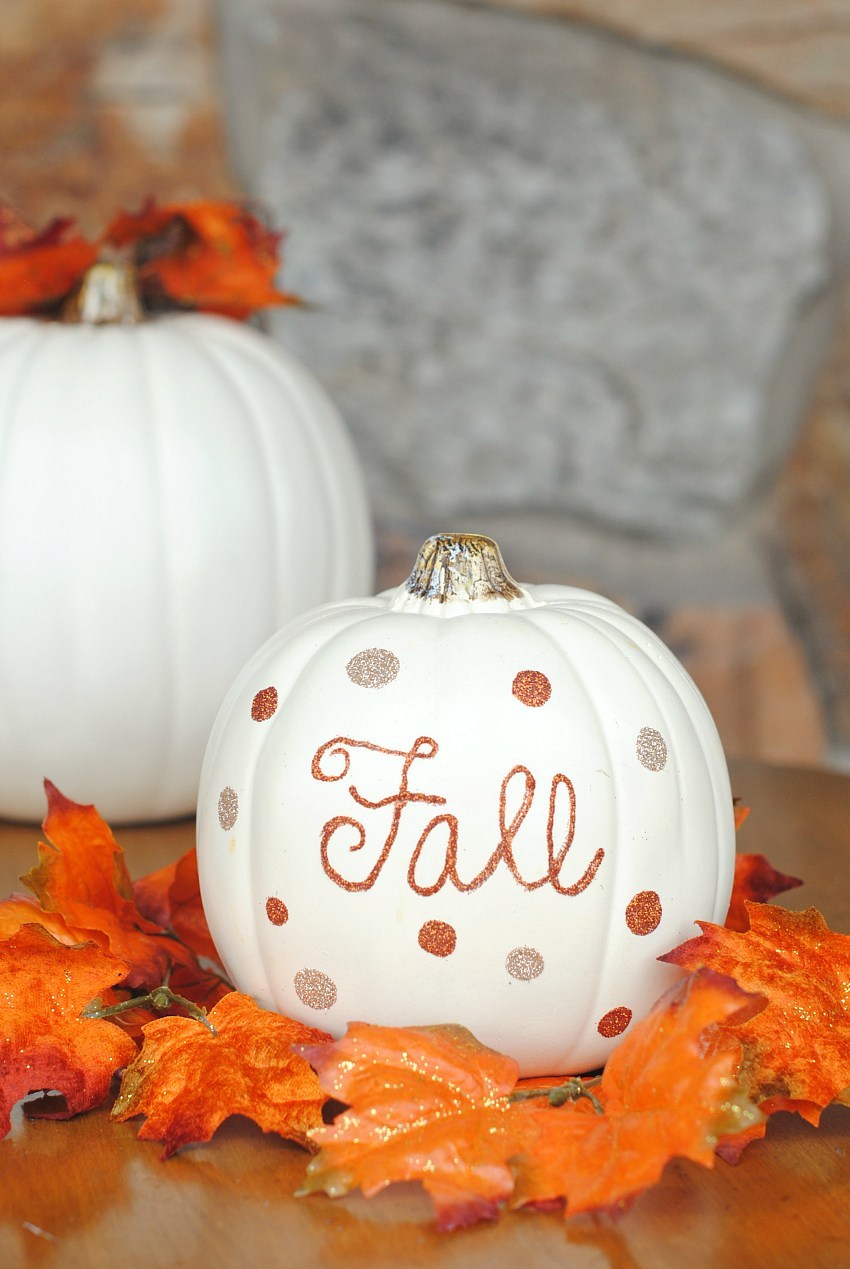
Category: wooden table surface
<point>87,1193</point>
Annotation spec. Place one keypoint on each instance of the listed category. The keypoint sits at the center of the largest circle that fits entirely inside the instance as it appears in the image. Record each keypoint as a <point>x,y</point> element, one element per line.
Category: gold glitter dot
<point>524,963</point>
<point>614,1022</point>
<point>228,808</point>
<point>264,704</point>
<point>438,937</point>
<point>374,667</point>
<point>532,688</point>
<point>651,749</point>
<point>314,989</point>
<point>276,910</point>
<point>644,912</point>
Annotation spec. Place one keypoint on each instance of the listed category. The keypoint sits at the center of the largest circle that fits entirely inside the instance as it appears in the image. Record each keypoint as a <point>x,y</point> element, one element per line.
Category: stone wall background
<point>102,105</point>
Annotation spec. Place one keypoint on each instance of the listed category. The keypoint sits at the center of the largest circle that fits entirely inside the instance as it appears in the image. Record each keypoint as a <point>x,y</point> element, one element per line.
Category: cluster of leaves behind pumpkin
<point>83,963</point>
<point>209,256</point>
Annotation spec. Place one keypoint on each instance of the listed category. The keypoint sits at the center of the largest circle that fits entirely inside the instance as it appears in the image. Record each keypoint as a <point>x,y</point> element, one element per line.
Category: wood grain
<point>87,1193</point>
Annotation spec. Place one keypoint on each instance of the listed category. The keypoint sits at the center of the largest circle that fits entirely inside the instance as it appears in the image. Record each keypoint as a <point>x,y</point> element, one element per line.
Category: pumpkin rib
<point>611,930</point>
<point>14,390</point>
<point>249,410</point>
<point>172,689</point>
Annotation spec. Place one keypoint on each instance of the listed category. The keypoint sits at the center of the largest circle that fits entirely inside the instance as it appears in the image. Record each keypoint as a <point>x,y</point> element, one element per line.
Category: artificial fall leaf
<point>172,898</point>
<point>663,1095</point>
<point>19,910</point>
<point>742,813</point>
<point>187,1080</point>
<point>38,269</point>
<point>44,1042</point>
<point>797,1050</point>
<point>758,881</point>
<point>213,256</point>
<point>82,876</point>
<point>428,1104</point>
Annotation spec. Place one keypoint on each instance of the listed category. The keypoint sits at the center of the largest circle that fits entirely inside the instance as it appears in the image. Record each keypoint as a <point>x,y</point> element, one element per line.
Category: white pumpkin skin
<point>170,494</point>
<point>535,972</point>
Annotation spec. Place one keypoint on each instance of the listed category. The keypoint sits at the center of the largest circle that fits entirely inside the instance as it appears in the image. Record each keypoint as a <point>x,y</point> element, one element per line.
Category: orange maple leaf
<point>424,1103</point>
<point>39,269</point>
<point>171,897</point>
<point>82,876</point>
<point>188,1080</point>
<point>798,1048</point>
<point>663,1095</point>
<point>755,880</point>
<point>44,1042</point>
<point>214,256</point>
<point>19,910</point>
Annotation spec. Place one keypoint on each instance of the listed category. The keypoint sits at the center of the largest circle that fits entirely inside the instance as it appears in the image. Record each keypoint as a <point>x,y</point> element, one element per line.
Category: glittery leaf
<point>664,1094</point>
<point>212,256</point>
<point>44,1042</point>
<point>82,877</point>
<point>187,1081</point>
<point>797,1051</point>
<point>758,881</point>
<point>172,898</point>
<point>424,1103</point>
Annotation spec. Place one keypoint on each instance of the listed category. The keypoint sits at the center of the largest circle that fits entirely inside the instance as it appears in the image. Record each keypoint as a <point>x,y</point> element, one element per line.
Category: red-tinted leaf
<point>172,898</point>
<point>44,1042</point>
<point>756,880</point>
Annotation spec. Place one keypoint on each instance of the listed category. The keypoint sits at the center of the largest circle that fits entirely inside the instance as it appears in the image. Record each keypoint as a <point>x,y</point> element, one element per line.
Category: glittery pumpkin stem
<point>570,1091</point>
<point>161,998</point>
<point>461,566</point>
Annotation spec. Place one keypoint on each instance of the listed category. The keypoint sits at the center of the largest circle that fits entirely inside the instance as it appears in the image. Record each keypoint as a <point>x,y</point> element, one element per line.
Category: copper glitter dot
<point>644,912</point>
<point>264,704</point>
<point>524,963</point>
<point>532,688</point>
<point>314,989</point>
<point>438,938</point>
<point>614,1022</point>
<point>276,910</point>
<point>651,749</point>
<point>374,667</point>
<point>228,808</point>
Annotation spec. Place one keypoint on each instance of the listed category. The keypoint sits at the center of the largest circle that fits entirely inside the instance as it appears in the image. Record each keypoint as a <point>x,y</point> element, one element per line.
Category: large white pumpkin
<point>465,801</point>
<point>171,492</point>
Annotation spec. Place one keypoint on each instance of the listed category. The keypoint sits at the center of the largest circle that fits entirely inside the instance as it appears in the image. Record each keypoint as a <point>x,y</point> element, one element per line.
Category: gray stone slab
<point>550,269</point>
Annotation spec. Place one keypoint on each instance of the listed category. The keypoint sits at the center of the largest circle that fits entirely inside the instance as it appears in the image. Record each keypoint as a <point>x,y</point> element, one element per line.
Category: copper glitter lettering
<point>532,688</point>
<point>524,963</point>
<point>614,1022</point>
<point>264,705</point>
<point>651,749</point>
<point>340,746</point>
<point>347,835</point>
<point>276,910</point>
<point>314,989</point>
<point>643,915</point>
<point>374,667</point>
<point>228,808</point>
<point>438,937</point>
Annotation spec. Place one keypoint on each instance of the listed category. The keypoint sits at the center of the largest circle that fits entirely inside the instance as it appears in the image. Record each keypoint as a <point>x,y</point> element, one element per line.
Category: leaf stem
<point>160,998</point>
<point>570,1091</point>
